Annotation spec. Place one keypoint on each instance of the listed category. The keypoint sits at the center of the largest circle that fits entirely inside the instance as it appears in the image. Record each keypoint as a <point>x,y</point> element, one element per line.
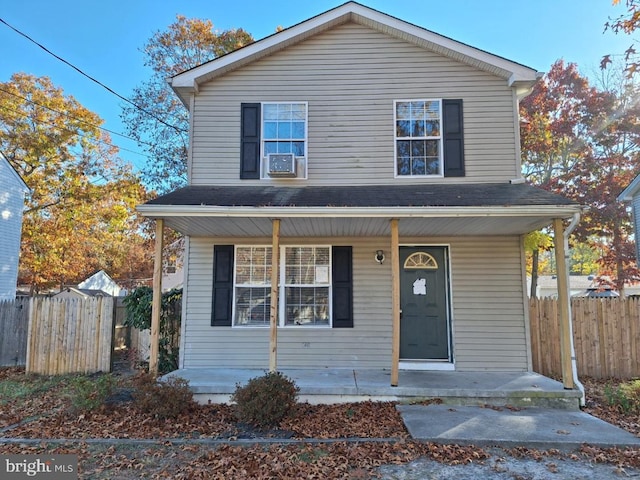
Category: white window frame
<point>301,161</point>
<point>236,249</point>
<point>282,285</point>
<point>439,138</point>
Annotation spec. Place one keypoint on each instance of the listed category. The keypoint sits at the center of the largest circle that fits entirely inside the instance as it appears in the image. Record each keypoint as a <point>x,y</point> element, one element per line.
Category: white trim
<point>159,211</point>
<point>192,101</point>
<point>301,162</point>
<point>433,366</point>
<point>282,288</point>
<point>266,286</point>
<point>439,138</point>
<point>283,285</point>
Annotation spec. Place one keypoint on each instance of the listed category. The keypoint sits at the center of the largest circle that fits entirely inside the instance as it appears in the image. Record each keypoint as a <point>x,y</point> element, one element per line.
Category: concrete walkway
<point>509,427</point>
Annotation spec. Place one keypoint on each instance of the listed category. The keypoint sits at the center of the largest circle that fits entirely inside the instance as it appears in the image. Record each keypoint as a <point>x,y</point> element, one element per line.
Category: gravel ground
<point>502,466</point>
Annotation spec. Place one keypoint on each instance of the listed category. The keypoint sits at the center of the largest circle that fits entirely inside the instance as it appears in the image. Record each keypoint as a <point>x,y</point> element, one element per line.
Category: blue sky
<point>104,38</point>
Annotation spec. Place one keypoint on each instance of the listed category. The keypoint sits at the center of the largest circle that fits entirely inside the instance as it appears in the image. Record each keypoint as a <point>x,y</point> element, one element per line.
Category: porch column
<point>564,306</point>
<point>156,303</point>
<point>395,302</point>
<point>273,313</point>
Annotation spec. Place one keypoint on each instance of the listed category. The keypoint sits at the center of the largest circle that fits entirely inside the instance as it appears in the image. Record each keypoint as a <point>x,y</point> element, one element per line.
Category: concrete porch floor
<point>337,385</point>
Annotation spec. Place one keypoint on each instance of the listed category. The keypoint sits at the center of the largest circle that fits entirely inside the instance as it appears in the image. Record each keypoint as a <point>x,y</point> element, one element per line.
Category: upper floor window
<point>273,140</point>
<point>284,128</point>
<point>418,137</point>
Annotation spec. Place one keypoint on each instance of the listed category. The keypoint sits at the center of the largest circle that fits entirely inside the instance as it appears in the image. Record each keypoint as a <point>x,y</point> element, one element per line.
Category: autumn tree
<point>161,124</point>
<point>79,214</point>
<point>626,23</point>
<point>611,165</point>
<point>552,133</point>
<point>581,141</point>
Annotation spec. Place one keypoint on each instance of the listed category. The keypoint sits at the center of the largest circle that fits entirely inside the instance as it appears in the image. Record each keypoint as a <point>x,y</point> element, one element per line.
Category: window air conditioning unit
<point>281,165</point>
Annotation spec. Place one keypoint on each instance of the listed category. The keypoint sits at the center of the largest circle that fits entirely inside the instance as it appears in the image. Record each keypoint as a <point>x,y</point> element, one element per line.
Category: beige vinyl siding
<point>350,77</point>
<point>489,323</point>
<point>488,317</point>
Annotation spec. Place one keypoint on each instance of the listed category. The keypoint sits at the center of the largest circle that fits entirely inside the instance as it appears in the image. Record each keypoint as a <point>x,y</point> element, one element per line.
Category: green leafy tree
<point>138,306</point>
<point>584,259</point>
<point>185,44</point>
<point>80,210</point>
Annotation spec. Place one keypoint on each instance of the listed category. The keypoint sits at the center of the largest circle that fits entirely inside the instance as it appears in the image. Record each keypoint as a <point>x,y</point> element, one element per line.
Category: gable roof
<point>517,75</point>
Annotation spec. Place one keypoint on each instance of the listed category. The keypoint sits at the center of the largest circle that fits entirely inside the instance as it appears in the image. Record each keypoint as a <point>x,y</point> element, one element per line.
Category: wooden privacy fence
<point>69,335</point>
<point>606,333</point>
<point>14,322</point>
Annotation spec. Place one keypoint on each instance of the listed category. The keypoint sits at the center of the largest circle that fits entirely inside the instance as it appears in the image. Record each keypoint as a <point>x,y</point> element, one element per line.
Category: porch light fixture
<point>379,256</point>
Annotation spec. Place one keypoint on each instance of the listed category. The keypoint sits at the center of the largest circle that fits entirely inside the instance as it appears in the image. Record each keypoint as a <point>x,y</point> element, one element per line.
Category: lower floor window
<point>305,286</point>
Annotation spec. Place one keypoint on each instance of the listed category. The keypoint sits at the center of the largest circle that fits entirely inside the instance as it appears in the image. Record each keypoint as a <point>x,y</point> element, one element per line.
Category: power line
<point>104,142</point>
<point>151,114</point>
<point>76,118</point>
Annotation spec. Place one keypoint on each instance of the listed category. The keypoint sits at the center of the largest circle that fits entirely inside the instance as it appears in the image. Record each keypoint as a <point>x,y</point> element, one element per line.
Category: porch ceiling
<point>317,211</point>
<point>215,226</point>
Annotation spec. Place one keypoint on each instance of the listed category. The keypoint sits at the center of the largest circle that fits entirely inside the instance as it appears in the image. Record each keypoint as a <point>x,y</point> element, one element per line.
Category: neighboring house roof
<point>101,281</point>
<point>83,292</point>
<point>628,193</point>
<point>516,74</point>
<point>459,208</point>
<point>15,174</point>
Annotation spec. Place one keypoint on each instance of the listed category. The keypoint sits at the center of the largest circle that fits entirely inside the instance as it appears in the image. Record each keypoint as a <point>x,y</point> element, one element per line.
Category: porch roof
<point>452,209</point>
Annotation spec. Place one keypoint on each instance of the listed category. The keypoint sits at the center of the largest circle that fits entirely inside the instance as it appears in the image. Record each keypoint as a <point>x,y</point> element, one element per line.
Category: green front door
<point>424,321</point>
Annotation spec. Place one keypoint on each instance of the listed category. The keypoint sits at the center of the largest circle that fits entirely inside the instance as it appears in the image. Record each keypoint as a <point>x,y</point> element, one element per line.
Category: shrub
<point>266,400</point>
<point>87,393</point>
<point>625,396</point>
<point>166,399</point>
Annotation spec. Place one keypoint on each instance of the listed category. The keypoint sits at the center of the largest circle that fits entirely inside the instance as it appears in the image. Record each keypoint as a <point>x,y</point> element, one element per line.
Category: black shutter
<point>250,140</point>
<point>342,280</point>
<point>453,138</point>
<point>222,286</point>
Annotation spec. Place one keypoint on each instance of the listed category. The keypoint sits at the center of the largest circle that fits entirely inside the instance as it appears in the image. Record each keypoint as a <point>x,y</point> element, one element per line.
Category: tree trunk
<point>534,273</point>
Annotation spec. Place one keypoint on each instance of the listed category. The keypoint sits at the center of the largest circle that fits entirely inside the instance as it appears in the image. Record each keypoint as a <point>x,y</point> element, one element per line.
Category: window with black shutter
<point>222,300</point>
<point>250,119</point>
<point>429,138</point>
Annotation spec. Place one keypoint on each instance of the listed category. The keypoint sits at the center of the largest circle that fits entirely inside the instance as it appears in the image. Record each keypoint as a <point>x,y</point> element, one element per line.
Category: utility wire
<point>76,118</point>
<point>104,142</point>
<point>151,114</point>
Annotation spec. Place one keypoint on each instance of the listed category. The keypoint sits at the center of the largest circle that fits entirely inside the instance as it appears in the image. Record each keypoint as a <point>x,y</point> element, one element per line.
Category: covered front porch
<point>367,220</point>
<point>339,385</point>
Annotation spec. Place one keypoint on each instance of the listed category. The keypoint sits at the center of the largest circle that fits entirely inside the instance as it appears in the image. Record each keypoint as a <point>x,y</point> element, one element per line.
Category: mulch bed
<point>46,414</point>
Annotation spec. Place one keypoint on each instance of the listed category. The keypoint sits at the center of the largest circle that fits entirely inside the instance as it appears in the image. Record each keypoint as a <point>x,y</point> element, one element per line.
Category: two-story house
<point>355,200</point>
